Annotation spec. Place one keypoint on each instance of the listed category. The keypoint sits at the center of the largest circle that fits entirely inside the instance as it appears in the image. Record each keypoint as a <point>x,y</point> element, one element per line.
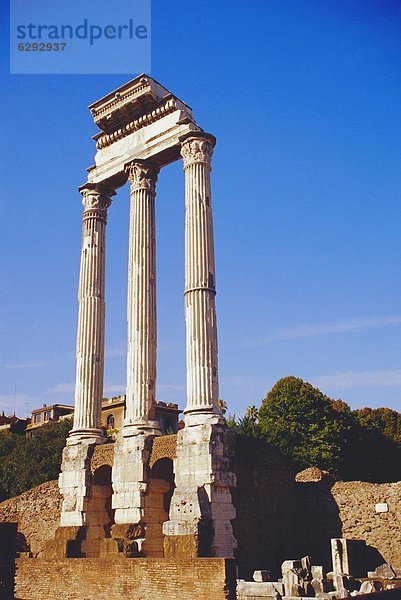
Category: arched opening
<point>110,422</point>
<point>99,514</point>
<point>157,506</point>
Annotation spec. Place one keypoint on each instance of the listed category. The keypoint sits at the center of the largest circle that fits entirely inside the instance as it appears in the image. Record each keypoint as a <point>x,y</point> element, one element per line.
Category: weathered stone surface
<point>306,563</point>
<point>75,481</point>
<point>261,576</point>
<point>290,565</point>
<point>370,587</point>
<point>37,513</point>
<point>201,505</point>
<point>385,571</point>
<point>317,572</point>
<point>248,590</point>
<point>67,543</point>
<point>340,558</point>
<point>346,509</point>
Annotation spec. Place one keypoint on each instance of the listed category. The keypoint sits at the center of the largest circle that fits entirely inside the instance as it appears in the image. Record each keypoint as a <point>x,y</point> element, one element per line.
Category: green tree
<point>385,420</point>
<point>248,426</point>
<point>29,461</point>
<point>252,413</point>
<point>374,451</point>
<point>306,425</point>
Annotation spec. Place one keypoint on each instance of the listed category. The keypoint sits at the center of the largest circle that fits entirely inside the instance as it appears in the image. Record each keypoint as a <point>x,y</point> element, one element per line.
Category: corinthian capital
<point>96,196</point>
<point>197,148</point>
<point>142,175</point>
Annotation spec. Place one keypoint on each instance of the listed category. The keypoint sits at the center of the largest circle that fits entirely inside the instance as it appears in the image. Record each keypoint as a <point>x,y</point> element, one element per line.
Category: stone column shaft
<point>200,290</point>
<point>141,306</point>
<point>91,315</point>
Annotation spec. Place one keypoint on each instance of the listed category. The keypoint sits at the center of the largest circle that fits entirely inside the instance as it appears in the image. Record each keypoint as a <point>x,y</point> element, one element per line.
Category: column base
<point>86,435</point>
<point>141,428</point>
<point>202,416</point>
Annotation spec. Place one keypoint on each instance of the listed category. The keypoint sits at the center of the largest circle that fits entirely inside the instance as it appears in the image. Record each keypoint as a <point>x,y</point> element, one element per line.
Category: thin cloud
<point>245,381</point>
<point>61,388</point>
<point>27,365</point>
<point>14,402</point>
<point>115,388</point>
<point>331,328</point>
<point>352,379</point>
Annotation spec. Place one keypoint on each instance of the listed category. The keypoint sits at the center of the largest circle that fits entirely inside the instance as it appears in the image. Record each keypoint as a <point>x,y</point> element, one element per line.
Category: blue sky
<point>303,97</point>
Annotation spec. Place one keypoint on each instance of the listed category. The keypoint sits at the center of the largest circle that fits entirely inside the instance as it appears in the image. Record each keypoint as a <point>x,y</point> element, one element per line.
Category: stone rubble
<point>303,580</point>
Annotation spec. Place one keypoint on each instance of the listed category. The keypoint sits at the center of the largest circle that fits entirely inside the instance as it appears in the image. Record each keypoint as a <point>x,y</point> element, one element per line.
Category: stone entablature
<point>142,120</point>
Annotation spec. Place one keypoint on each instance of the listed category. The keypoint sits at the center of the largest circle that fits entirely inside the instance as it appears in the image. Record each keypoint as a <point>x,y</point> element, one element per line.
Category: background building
<point>113,410</point>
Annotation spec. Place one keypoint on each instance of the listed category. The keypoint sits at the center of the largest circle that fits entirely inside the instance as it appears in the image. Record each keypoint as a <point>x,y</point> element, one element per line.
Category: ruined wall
<point>325,509</point>
<point>264,503</point>
<point>277,518</point>
<point>78,579</point>
<point>37,513</point>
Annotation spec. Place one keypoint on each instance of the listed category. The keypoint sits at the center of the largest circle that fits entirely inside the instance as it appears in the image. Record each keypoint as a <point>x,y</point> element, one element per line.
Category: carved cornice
<point>119,96</point>
<point>197,149</point>
<point>156,114</point>
<point>142,176</point>
<point>96,197</point>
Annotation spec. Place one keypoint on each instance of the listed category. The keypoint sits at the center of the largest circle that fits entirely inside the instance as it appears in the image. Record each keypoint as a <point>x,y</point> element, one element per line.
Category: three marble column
<point>201,465</point>
<point>200,312</point>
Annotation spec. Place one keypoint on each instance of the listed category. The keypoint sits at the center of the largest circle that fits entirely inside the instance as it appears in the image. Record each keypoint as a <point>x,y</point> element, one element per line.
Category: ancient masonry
<point>144,127</point>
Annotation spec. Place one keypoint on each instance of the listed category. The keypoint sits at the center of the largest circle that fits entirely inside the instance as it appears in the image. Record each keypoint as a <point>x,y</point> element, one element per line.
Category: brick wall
<point>326,509</point>
<point>137,579</point>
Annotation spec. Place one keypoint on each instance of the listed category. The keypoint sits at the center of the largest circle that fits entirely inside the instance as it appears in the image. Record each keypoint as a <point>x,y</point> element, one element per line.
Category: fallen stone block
<point>385,572</point>
<point>306,563</point>
<point>252,589</point>
<point>317,572</point>
<point>370,587</point>
<point>290,565</point>
<point>321,586</point>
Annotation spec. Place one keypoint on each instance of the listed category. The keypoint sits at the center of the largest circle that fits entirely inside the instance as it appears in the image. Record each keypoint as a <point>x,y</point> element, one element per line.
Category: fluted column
<point>91,316</point>
<point>200,289</point>
<point>141,306</point>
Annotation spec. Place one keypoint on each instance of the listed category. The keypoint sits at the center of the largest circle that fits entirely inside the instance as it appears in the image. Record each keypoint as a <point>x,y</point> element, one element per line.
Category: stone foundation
<point>75,483</point>
<point>201,508</point>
